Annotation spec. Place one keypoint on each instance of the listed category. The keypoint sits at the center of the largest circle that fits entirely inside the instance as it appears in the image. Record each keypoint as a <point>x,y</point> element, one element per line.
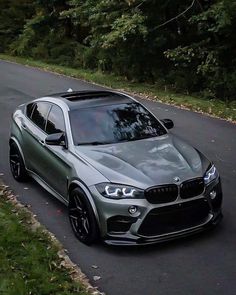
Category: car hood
<point>147,162</point>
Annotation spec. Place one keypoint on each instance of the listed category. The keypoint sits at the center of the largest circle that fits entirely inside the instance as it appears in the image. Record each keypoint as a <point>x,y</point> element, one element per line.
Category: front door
<point>48,162</point>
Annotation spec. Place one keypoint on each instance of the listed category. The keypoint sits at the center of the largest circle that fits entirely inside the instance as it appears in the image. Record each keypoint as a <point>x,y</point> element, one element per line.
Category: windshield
<point>113,124</point>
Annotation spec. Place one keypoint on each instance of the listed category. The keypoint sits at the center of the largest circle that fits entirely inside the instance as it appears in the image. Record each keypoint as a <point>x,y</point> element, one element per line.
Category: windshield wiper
<point>94,143</point>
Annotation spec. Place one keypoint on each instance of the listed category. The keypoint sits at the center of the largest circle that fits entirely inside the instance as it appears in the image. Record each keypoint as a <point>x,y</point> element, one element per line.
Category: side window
<point>40,113</point>
<point>56,122</point>
<point>29,109</point>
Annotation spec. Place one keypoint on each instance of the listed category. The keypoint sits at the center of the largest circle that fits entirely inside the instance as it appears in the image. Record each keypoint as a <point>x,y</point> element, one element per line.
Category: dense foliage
<point>187,45</point>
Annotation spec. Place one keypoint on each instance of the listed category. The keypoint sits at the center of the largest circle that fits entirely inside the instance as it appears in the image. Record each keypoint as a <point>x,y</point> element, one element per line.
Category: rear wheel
<point>17,165</point>
<point>82,219</point>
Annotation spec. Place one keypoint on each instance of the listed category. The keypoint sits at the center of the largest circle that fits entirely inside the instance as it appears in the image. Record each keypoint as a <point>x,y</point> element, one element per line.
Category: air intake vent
<point>175,217</point>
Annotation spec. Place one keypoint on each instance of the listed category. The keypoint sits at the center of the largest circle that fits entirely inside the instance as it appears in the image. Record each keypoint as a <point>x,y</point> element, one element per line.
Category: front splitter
<point>132,240</point>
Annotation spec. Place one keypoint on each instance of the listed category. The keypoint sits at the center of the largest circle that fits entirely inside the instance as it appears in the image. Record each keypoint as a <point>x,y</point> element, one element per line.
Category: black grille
<point>192,188</point>
<point>174,218</point>
<point>162,194</point>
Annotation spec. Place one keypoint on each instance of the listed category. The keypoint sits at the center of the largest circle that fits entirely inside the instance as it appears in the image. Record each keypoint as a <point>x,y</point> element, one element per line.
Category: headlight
<point>117,191</point>
<point>211,175</point>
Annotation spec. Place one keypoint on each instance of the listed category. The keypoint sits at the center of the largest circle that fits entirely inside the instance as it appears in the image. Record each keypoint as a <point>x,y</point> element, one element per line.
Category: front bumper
<point>129,240</point>
<point>119,227</point>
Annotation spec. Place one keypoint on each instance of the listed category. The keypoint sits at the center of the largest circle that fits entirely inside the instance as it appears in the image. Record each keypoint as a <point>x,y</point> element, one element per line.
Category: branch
<point>140,4</point>
<point>176,17</point>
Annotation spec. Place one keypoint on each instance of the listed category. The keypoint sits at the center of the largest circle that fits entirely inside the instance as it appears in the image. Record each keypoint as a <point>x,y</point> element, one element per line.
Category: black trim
<point>81,95</point>
<point>132,240</point>
<point>162,194</point>
<point>192,188</point>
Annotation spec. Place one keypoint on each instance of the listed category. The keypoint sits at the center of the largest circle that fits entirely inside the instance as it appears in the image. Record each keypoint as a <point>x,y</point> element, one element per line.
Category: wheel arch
<point>80,185</point>
<point>15,141</point>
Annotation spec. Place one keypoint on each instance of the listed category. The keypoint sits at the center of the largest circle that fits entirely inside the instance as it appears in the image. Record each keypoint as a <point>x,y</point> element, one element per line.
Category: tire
<point>82,218</point>
<point>17,165</point>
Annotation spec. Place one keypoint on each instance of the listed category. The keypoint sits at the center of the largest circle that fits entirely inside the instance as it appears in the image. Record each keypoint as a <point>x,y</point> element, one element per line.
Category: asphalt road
<point>203,264</point>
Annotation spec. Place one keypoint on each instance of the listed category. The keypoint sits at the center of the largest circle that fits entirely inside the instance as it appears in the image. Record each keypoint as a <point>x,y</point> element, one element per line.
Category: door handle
<point>42,142</point>
<point>24,126</point>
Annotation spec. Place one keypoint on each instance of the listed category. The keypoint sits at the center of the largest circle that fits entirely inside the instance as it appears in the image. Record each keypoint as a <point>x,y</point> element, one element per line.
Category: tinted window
<point>29,109</point>
<point>40,113</point>
<point>55,123</point>
<point>113,123</point>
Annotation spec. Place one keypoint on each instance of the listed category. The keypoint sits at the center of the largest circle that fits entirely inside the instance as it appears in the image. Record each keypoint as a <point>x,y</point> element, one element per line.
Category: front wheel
<point>82,218</point>
<point>17,165</point>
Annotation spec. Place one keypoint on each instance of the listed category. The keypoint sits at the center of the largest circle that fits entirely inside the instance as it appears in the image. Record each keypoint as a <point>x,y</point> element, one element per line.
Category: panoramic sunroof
<point>75,96</point>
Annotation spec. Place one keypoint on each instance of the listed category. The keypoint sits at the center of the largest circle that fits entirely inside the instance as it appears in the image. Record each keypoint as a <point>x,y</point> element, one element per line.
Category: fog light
<point>132,209</point>
<point>213,195</point>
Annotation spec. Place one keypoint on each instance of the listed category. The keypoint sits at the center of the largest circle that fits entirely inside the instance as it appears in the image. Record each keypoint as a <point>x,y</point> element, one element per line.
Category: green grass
<point>29,263</point>
<point>212,107</point>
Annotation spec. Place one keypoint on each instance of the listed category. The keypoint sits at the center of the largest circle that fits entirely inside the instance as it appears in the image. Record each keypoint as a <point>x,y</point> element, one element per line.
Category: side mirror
<point>58,139</point>
<point>168,123</point>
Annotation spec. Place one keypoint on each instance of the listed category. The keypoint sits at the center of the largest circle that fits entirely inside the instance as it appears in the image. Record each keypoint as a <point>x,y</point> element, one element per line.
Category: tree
<point>13,15</point>
<point>210,58</point>
<point>185,44</point>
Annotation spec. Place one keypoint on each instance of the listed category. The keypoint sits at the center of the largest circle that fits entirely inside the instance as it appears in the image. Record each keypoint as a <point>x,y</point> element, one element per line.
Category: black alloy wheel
<point>17,165</point>
<point>82,218</point>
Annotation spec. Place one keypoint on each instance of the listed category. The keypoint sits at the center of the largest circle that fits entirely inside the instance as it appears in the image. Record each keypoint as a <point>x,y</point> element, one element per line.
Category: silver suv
<point>123,176</point>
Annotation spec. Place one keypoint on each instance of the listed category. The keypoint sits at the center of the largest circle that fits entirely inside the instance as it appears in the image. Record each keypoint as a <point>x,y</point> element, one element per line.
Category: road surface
<point>203,264</point>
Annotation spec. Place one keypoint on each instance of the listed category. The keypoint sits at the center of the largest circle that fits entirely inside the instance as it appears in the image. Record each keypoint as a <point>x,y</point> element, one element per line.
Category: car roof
<point>86,99</point>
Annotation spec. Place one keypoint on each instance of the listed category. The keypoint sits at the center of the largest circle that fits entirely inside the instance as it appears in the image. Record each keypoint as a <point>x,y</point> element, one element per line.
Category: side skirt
<point>42,183</point>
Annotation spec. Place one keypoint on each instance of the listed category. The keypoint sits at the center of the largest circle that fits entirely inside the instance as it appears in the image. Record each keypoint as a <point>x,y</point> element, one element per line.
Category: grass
<point>29,263</point>
<point>214,107</point>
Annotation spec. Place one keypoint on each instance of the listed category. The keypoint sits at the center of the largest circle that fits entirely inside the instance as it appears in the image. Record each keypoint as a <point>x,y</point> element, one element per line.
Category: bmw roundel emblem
<point>176,179</point>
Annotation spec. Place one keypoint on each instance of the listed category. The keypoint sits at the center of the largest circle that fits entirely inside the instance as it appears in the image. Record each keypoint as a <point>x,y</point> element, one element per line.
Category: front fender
<point>88,195</point>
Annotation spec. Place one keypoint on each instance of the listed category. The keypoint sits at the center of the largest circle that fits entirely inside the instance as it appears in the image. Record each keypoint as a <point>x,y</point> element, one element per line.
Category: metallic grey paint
<point>142,164</point>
